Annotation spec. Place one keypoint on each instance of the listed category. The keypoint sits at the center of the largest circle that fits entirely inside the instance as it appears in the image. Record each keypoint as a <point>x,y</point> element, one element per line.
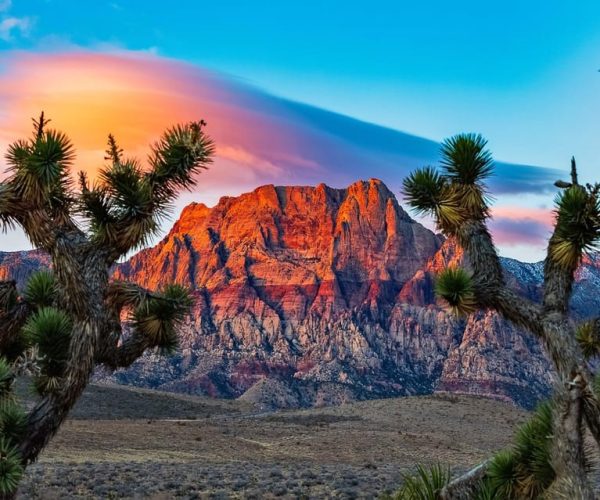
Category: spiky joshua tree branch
<point>456,196</point>
<point>70,318</point>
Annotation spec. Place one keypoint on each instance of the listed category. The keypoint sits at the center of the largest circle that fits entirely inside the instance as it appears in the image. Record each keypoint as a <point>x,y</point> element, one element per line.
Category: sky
<point>327,91</point>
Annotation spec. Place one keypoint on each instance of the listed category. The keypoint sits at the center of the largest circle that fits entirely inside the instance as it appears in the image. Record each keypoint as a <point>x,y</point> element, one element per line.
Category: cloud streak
<point>135,95</point>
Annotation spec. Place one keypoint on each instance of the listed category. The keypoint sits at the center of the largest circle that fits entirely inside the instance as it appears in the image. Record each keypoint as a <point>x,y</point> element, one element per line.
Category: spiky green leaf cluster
<point>457,193</point>
<point>7,378</point>
<point>525,471</point>
<point>50,330</point>
<point>13,420</point>
<point>465,159</point>
<point>577,225</point>
<point>486,491</point>
<point>425,484</point>
<point>428,192</point>
<point>11,468</point>
<point>502,475</point>
<point>455,286</point>
<point>40,290</point>
<point>159,316</point>
<point>39,168</point>
<point>176,157</point>
<point>588,339</point>
<point>125,206</point>
<point>13,425</point>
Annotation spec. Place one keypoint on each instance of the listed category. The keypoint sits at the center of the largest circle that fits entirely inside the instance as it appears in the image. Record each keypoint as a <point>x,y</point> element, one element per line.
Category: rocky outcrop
<point>313,295</point>
<point>18,266</point>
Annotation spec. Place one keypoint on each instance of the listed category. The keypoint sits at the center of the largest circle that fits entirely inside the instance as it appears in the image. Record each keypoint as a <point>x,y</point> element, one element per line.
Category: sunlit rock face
<point>316,296</point>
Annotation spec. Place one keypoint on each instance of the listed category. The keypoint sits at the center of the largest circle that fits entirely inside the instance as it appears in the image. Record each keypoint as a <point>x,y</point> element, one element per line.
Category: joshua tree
<point>456,196</point>
<point>69,320</point>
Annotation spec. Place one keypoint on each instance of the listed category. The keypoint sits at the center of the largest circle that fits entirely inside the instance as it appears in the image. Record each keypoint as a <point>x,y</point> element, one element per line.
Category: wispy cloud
<point>5,5</point>
<point>9,26</point>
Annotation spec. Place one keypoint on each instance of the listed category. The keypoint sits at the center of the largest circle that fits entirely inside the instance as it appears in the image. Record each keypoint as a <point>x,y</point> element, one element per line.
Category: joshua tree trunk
<point>457,199</point>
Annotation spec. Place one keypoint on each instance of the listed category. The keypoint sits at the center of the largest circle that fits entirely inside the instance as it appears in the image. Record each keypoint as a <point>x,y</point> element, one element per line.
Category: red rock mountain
<point>314,295</point>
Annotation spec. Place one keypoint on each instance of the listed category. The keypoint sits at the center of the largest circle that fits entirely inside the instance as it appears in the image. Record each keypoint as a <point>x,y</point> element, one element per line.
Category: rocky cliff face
<point>319,295</point>
<point>18,266</point>
<point>314,295</point>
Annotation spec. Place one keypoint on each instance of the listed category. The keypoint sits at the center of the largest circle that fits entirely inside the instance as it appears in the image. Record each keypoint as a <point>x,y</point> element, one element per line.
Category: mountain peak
<point>290,234</point>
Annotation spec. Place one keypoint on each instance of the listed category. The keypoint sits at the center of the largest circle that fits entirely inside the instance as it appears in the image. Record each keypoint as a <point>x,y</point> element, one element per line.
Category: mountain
<point>19,265</point>
<point>313,296</point>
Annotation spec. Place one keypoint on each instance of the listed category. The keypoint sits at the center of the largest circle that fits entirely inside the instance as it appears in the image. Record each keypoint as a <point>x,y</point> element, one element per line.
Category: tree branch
<point>465,486</point>
<point>125,354</point>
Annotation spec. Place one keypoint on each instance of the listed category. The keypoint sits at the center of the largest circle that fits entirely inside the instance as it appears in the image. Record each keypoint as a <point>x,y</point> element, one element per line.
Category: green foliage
<point>7,378</point>
<point>13,420</point>
<point>425,484</point>
<point>11,468</point>
<point>126,204</point>
<point>427,192</point>
<point>532,446</point>
<point>455,286</point>
<point>486,491</point>
<point>424,189</point>
<point>525,471</point>
<point>465,159</point>
<point>176,157</point>
<point>40,167</point>
<point>502,475</point>
<point>577,225</point>
<point>127,196</point>
<point>457,194</point>
<point>40,290</point>
<point>587,338</point>
<point>50,329</point>
<point>158,316</point>
<point>130,195</point>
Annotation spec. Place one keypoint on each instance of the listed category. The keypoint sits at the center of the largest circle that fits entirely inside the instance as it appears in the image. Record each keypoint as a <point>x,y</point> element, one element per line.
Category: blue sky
<point>525,74</point>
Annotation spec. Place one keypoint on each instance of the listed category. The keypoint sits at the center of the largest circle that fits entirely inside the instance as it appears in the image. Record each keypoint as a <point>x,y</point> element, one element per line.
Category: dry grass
<point>128,443</point>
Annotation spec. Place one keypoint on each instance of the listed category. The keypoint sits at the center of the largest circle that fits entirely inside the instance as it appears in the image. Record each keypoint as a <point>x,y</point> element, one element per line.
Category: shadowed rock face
<point>314,296</point>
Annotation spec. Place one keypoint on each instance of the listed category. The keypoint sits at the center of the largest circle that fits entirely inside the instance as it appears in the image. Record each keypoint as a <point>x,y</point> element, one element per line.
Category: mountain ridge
<point>314,295</point>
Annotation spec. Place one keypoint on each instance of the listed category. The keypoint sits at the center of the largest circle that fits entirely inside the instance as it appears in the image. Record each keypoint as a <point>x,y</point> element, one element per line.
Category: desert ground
<point>131,443</point>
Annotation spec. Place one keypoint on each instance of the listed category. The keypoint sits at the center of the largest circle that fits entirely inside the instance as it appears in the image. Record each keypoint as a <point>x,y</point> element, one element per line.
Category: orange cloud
<point>135,97</point>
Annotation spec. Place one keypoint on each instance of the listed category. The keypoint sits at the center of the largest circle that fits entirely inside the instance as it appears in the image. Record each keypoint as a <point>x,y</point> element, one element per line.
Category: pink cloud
<point>521,226</point>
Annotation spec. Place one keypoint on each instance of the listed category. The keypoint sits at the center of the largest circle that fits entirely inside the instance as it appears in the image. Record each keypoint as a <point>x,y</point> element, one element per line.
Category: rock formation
<point>313,296</point>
